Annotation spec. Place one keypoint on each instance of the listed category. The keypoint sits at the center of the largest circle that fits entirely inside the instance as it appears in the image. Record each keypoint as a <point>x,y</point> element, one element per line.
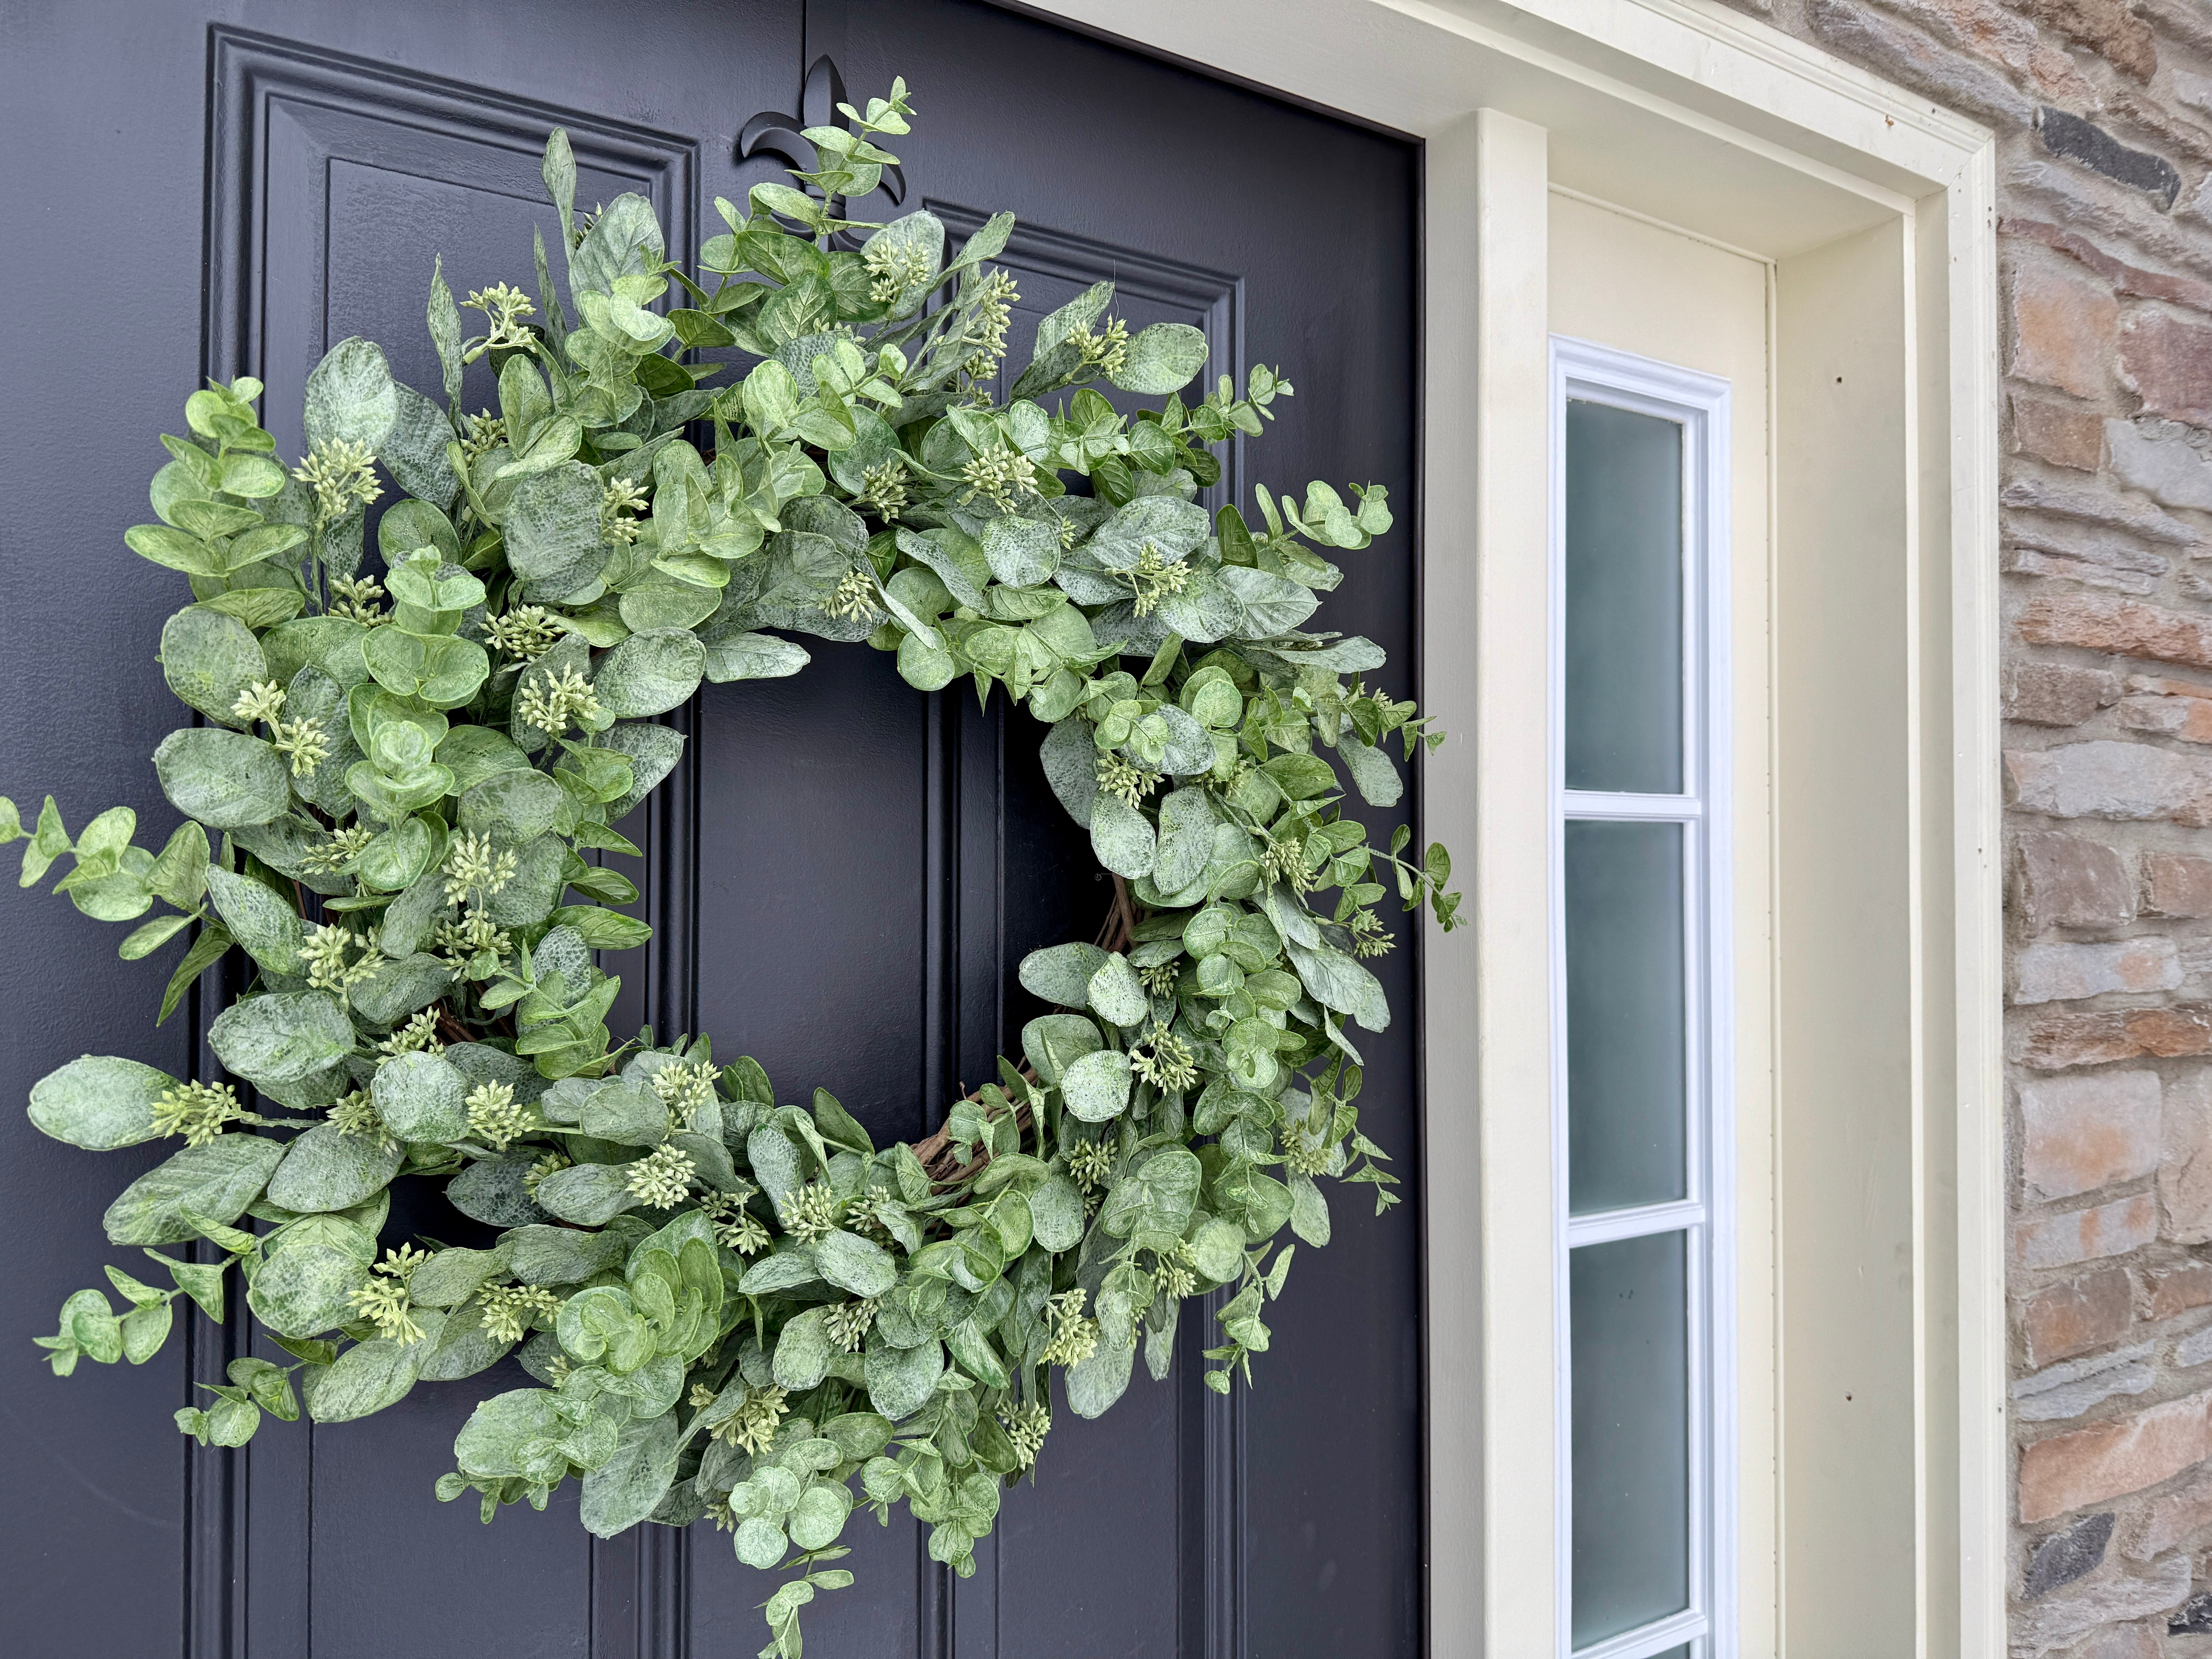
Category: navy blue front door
<point>841,876</point>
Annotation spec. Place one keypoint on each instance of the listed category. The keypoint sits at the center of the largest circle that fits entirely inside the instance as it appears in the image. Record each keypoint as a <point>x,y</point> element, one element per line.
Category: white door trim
<point>1693,115</point>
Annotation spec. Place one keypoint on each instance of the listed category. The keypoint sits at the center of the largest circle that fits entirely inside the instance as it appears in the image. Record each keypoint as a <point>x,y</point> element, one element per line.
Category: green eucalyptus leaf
<point>855,1264</point>
<point>327,1169</point>
<point>900,1381</point>
<point>99,1101</point>
<point>351,396</point>
<point>306,1286</point>
<point>1121,836</point>
<point>281,1037</point>
<point>1095,1086</point>
<point>226,780</point>
<point>419,1097</point>
<point>1161,358</point>
<point>214,1183</point>
<point>745,655</point>
<point>269,929</point>
<point>590,1195</point>
<point>370,1375</point>
<point>1056,1042</point>
<point>650,673</point>
<point>210,661</point>
<point>630,1486</point>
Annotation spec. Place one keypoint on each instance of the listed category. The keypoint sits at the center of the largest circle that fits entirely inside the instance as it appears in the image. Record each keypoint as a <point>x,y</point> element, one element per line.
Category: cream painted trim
<point>1488,564</point>
<point>1692,114</point>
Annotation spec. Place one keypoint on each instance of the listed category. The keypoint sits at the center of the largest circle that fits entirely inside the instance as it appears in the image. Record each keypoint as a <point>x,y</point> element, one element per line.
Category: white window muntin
<point>1699,404</point>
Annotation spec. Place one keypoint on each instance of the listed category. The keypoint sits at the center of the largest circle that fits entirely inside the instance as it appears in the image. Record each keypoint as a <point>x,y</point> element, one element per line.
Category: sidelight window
<point>1641,1072</point>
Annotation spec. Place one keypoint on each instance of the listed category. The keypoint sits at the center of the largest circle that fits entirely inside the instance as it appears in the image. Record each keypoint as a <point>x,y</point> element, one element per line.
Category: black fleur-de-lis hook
<point>772,133</point>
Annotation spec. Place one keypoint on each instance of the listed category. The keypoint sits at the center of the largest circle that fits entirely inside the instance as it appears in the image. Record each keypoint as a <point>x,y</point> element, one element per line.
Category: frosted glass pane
<point>1627,1093</point>
<point>1628,1311</point>
<point>1623,601</point>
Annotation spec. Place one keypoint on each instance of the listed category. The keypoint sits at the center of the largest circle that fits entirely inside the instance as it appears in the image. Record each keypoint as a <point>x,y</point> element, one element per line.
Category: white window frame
<point>1699,404</point>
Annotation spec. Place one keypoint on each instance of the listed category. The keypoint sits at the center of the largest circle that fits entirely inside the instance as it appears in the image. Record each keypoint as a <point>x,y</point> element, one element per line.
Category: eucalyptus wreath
<point>730,1307</point>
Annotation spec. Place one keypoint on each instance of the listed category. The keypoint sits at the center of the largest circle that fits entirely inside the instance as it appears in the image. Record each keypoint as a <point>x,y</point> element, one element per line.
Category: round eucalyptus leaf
<point>1096,1086</point>
<point>1162,357</point>
<point>327,1169</point>
<point>760,1543</point>
<point>627,1111</point>
<point>490,1444</point>
<point>1022,552</point>
<point>650,673</point>
<point>900,1381</point>
<point>452,1275</point>
<point>304,1288</point>
<point>1056,1213</point>
<point>1218,1251</point>
<point>924,666</point>
<point>269,929</point>
<point>464,1347</point>
<point>210,661</point>
<point>414,451</point>
<point>496,1192</point>
<point>552,526</point>
<point>561,1255</point>
<point>1173,526</point>
<point>855,1264</point>
<point>400,986</point>
<point>214,1182</point>
<point>589,1194</point>
<point>226,780</point>
<point>1055,1042</point>
<point>419,1098</point>
<point>281,1037</point>
<point>1121,836</point>
<point>513,805</point>
<point>443,670</point>
<point>370,1375</point>
<point>332,644</point>
<point>1071,767</point>
<point>99,1101</point>
<point>529,895</point>
<point>474,753</point>
<point>1155,1198</point>
<point>802,1352</point>
<point>1061,973</point>
<point>351,396</point>
<point>1117,994</point>
<point>1094,1385</point>
<point>630,1486</point>
<point>1190,746</point>
<point>668,603</point>
<point>819,1516</point>
<point>1272,605</point>
<point>409,524</point>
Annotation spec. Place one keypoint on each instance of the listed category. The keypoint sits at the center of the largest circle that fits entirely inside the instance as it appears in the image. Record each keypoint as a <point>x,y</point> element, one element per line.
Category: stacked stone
<point>2103,110</point>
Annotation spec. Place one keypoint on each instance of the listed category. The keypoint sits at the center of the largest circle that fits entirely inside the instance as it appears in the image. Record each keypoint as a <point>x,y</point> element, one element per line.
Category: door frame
<point>1877,211</point>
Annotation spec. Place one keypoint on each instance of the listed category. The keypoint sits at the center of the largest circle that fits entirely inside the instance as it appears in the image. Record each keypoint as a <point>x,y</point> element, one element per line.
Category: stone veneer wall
<point>2103,110</point>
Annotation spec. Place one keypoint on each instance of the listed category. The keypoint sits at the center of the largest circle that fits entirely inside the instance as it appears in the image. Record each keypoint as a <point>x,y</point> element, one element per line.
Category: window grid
<point>1699,404</point>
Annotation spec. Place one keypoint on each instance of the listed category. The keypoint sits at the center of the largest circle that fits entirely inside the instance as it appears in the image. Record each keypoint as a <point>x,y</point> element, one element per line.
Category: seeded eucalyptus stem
<point>730,1308</point>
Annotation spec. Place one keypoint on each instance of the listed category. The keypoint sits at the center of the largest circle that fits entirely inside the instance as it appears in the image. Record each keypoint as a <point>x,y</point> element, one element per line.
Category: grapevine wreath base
<point>730,1308</point>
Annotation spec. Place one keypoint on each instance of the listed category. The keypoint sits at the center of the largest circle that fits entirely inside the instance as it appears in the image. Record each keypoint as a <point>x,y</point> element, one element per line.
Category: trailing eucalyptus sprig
<point>732,1307</point>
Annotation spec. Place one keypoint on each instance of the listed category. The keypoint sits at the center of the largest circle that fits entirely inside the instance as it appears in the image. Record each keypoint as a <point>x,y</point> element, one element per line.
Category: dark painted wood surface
<point>845,872</point>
